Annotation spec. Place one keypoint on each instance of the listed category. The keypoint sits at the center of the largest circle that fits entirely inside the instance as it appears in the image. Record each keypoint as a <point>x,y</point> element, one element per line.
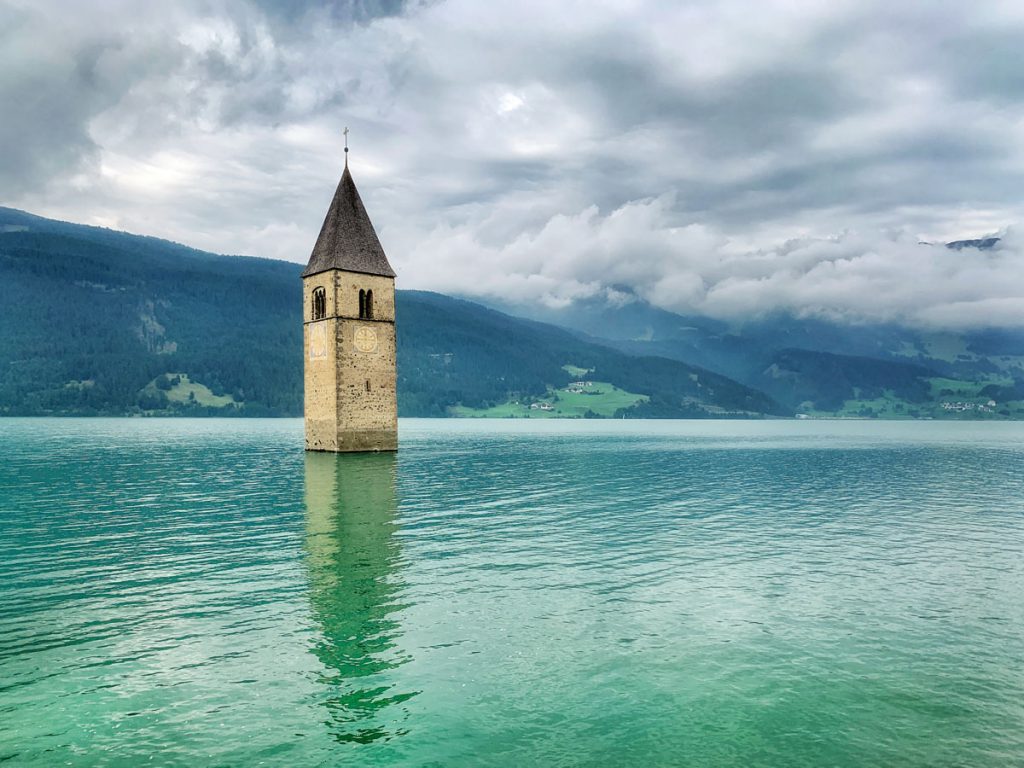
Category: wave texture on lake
<point>512,593</point>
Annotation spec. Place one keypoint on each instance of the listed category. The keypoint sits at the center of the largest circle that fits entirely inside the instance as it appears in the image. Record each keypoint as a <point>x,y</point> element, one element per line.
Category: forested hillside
<point>91,317</point>
<point>101,322</point>
<point>453,351</point>
<point>820,367</point>
<point>94,321</point>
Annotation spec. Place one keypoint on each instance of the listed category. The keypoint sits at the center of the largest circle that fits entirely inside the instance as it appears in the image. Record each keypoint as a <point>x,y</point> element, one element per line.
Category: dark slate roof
<point>347,240</point>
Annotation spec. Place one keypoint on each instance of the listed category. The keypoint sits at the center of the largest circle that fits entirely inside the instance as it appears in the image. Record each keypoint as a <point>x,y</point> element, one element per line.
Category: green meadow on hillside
<point>947,399</point>
<point>580,399</point>
<point>179,388</point>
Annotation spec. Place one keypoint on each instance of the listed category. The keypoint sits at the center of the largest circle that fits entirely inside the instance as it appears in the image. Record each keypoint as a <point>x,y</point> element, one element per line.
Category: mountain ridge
<point>192,317</point>
<point>105,322</point>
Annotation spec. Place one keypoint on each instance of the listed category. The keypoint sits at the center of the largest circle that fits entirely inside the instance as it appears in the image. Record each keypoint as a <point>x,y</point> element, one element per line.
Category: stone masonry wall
<point>350,366</point>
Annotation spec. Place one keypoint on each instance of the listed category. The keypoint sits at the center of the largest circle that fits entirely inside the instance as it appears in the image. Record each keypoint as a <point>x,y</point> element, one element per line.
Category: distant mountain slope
<point>823,381</point>
<point>102,322</point>
<point>92,316</point>
<point>451,349</point>
<point>981,243</point>
<point>853,359</point>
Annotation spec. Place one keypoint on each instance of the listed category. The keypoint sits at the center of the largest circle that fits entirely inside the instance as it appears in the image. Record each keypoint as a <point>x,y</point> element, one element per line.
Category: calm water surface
<point>178,592</point>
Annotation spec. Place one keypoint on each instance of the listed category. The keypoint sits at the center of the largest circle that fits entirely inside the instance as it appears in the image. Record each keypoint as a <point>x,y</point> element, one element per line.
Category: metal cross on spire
<point>346,145</point>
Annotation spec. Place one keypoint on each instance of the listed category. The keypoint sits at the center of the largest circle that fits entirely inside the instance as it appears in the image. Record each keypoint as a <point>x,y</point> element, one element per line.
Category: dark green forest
<point>457,352</point>
<point>798,375</point>
<point>99,322</point>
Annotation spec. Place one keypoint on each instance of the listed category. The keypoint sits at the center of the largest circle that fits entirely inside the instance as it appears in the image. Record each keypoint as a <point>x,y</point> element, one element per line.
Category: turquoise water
<point>513,593</point>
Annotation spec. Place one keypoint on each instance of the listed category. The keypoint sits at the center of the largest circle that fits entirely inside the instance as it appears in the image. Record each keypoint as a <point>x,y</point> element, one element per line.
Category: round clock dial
<point>365,339</point>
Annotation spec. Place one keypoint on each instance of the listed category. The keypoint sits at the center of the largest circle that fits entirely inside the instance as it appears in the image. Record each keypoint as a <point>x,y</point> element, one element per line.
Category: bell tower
<point>348,316</point>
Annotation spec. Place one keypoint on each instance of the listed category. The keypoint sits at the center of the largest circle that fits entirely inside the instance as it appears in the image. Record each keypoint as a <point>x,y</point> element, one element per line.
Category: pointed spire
<point>347,239</point>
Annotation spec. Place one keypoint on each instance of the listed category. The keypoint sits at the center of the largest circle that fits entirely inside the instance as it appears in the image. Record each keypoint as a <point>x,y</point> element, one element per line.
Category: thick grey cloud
<point>720,157</point>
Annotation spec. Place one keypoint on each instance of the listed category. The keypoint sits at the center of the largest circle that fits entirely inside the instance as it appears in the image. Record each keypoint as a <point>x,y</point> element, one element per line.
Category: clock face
<point>365,339</point>
<point>317,341</point>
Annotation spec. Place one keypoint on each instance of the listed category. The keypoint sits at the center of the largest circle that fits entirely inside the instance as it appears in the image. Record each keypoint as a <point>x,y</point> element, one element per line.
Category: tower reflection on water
<point>354,565</point>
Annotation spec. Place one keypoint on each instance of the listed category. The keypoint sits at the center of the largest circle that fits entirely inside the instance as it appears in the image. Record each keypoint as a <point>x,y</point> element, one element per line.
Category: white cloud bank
<point>697,270</point>
<point>727,158</point>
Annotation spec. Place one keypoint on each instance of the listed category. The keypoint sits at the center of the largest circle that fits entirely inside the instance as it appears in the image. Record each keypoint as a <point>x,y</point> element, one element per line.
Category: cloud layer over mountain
<point>720,157</point>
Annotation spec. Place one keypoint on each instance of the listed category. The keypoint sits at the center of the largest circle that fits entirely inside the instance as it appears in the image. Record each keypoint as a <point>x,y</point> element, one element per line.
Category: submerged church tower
<point>348,311</point>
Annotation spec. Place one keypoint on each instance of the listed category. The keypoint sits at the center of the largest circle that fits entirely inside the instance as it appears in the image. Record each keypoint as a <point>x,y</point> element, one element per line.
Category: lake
<point>512,593</point>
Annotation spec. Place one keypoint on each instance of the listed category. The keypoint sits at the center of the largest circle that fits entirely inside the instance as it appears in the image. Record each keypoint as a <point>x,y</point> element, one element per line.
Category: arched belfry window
<point>366,304</point>
<point>319,303</point>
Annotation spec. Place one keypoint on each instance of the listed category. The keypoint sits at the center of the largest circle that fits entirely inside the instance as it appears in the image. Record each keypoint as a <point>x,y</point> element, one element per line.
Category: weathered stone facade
<point>350,383</point>
<point>348,338</point>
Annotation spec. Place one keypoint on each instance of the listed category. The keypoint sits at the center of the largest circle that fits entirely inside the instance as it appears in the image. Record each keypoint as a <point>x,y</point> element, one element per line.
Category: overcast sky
<point>727,158</point>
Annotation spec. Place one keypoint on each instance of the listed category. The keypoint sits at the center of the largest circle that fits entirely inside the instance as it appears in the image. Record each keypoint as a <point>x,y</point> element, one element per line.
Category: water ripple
<point>512,593</point>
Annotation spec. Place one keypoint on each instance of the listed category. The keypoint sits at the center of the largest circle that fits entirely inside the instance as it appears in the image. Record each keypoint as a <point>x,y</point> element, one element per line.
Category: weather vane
<point>346,145</point>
